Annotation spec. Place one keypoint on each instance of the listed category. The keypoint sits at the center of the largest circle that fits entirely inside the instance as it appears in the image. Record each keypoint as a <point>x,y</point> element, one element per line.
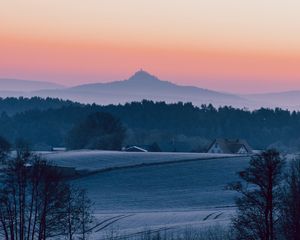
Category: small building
<point>58,149</point>
<point>134,149</point>
<point>228,146</point>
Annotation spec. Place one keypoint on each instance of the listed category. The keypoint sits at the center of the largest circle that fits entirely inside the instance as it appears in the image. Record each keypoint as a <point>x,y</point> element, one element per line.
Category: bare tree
<point>78,218</point>
<point>4,149</point>
<point>290,205</point>
<point>85,216</point>
<point>35,200</point>
<point>259,197</point>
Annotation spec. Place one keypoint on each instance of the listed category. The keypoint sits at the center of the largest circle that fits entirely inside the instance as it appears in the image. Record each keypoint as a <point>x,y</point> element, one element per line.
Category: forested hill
<point>47,122</point>
<point>13,105</point>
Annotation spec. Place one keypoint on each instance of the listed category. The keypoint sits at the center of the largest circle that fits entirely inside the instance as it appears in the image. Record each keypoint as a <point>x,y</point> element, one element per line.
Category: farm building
<point>135,149</point>
<point>227,146</point>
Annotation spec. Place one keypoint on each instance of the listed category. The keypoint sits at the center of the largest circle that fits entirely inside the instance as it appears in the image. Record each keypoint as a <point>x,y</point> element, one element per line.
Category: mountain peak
<point>142,75</point>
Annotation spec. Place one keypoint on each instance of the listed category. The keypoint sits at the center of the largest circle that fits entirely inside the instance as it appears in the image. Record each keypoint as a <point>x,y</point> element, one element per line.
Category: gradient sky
<point>229,45</point>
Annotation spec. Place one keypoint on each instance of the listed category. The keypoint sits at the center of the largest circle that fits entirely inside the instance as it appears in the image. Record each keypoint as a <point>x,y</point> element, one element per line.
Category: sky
<point>235,46</point>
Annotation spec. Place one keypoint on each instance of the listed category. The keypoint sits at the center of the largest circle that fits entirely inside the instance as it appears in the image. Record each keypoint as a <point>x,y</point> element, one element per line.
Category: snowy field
<point>178,186</point>
<point>101,160</point>
<point>187,190</point>
<point>136,223</point>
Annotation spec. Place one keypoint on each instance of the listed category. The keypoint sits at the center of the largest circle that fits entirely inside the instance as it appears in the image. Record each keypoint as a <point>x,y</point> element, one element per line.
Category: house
<point>134,149</point>
<point>228,146</point>
<point>58,149</point>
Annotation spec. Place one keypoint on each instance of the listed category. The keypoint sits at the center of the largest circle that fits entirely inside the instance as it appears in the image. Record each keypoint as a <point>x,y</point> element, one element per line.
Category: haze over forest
<point>143,85</point>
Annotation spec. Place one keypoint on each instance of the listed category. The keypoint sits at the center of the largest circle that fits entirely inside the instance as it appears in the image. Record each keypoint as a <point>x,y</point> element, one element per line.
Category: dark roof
<point>232,145</point>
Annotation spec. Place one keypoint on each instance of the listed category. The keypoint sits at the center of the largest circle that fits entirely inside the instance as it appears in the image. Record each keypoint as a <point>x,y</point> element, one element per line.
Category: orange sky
<point>232,45</point>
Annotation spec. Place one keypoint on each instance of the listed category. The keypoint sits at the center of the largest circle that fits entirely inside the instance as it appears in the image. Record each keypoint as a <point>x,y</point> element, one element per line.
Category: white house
<point>227,146</point>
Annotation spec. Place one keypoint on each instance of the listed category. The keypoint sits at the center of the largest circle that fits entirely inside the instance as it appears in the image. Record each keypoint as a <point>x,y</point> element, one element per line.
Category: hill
<point>101,161</point>
<point>11,105</point>
<point>286,100</point>
<point>141,85</point>
<point>17,86</point>
<point>184,185</point>
<point>175,195</point>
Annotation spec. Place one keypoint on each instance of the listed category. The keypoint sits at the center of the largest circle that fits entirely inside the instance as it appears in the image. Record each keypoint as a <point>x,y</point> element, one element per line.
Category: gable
<point>242,150</point>
<point>216,148</point>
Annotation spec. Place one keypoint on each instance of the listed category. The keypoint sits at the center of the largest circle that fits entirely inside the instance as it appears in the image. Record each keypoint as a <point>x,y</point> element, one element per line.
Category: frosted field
<point>100,160</point>
<point>176,186</point>
<point>137,223</point>
<point>188,190</point>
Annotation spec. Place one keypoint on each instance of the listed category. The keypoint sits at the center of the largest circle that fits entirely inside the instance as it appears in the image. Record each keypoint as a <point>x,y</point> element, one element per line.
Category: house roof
<point>232,145</point>
<point>135,149</point>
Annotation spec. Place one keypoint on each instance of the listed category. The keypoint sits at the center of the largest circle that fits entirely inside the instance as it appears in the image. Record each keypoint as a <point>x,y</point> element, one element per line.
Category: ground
<point>179,190</point>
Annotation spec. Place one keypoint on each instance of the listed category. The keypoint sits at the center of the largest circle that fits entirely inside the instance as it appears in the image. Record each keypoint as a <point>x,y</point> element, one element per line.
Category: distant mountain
<point>287,100</point>
<point>143,85</point>
<point>17,86</point>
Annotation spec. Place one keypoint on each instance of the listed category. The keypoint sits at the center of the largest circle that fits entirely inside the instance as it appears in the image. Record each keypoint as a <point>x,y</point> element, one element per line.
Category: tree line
<point>13,105</point>
<point>49,121</point>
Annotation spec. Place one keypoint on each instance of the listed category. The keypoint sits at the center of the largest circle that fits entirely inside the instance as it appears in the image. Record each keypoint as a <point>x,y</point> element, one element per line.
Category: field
<point>101,160</point>
<point>187,190</point>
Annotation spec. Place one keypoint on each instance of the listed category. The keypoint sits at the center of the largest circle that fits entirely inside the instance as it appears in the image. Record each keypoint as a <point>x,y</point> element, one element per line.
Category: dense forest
<point>174,127</point>
<point>12,105</point>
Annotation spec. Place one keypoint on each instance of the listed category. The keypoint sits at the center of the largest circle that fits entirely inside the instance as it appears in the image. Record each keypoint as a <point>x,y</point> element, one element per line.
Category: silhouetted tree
<point>85,216</point>
<point>259,197</point>
<point>34,200</point>
<point>4,149</point>
<point>290,205</point>
<point>78,216</point>
<point>22,148</point>
<point>98,131</point>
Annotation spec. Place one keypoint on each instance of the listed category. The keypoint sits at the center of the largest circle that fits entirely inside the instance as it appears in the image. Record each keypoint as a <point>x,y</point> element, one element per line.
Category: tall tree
<point>259,197</point>
<point>290,205</point>
<point>34,200</point>
<point>98,131</point>
<point>85,217</point>
<point>78,218</point>
<point>4,149</point>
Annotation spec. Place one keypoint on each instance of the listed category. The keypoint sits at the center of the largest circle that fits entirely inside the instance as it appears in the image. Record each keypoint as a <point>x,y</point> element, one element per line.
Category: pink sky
<point>232,46</point>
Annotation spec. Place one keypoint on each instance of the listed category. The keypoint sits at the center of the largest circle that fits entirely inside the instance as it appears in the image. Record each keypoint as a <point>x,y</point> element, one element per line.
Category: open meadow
<point>132,192</point>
